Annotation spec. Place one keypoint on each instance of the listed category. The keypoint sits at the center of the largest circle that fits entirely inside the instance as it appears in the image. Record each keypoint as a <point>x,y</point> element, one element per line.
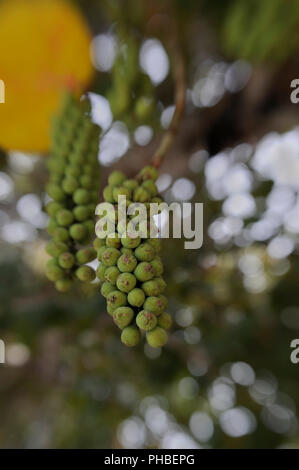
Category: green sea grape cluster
<point>73,188</point>
<point>130,269</point>
<point>131,95</point>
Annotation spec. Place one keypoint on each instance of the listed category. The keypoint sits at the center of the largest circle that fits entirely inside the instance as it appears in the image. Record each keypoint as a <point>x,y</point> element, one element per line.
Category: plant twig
<point>180,97</point>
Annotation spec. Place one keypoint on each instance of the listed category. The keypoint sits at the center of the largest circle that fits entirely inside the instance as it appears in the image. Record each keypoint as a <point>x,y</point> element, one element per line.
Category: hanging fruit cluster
<point>130,268</point>
<point>131,95</point>
<point>73,187</point>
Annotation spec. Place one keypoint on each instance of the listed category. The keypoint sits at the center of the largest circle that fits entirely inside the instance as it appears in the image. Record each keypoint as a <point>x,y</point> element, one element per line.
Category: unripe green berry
<point>100,252</point>
<point>52,262</point>
<point>157,337</point>
<point>54,248</point>
<point>52,225</point>
<point>116,178</point>
<point>116,299</point>
<point>63,285</point>
<point>70,184</point>
<point>52,208</point>
<point>121,191</point>
<point>127,263</point>
<point>108,194</point>
<point>161,283</point>
<point>101,269</point>
<point>154,304</point>
<point>110,256</point>
<point>64,217</point>
<point>145,252</point>
<point>136,297</point>
<point>55,192</point>
<point>156,243</point>
<point>141,195</point>
<point>165,321</point>
<point>107,288</point>
<point>61,234</point>
<point>54,273</point>
<point>113,240</point>
<point>126,251</point>
<point>131,184</point>
<point>111,274</point>
<point>81,196</point>
<point>89,225</point>
<point>157,265</point>
<point>151,288</point>
<point>151,188</point>
<point>110,309</point>
<point>73,170</point>
<point>66,260</point>
<point>129,242</point>
<point>146,321</point>
<point>148,173</point>
<point>144,271</point>
<point>98,243</point>
<point>81,213</point>
<point>143,107</point>
<point>78,231</point>
<point>86,181</point>
<point>130,336</point>
<point>85,255</point>
<point>85,273</point>
<point>126,282</point>
<point>123,316</point>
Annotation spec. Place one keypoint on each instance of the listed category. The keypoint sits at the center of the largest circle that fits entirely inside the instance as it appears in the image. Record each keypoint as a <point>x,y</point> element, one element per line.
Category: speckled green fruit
<point>101,251</point>
<point>130,336</point>
<point>52,208</point>
<point>110,256</point>
<point>136,297</point>
<point>158,266</point>
<point>144,271</point>
<point>55,192</point>
<point>150,187</point>
<point>161,283</point>
<point>70,184</point>
<point>64,217</point>
<point>110,309</point>
<point>85,255</point>
<point>116,299</point>
<point>123,316</point>
<point>141,195</point>
<point>85,273</point>
<point>55,248</point>
<point>146,321</point>
<point>131,184</point>
<point>154,305</point>
<point>78,231</point>
<point>107,288</point>
<point>81,213</point>
<point>126,251</point>
<point>121,191</point>
<point>81,196</point>
<point>98,243</point>
<point>66,260</point>
<point>100,272</point>
<point>148,173</point>
<point>144,252</point>
<point>156,243</point>
<point>116,178</point>
<point>63,285</point>
<point>86,181</point>
<point>157,337</point>
<point>113,240</point>
<point>165,321</point>
<point>151,288</point>
<point>127,263</point>
<point>54,273</point>
<point>61,234</point>
<point>108,194</point>
<point>111,274</point>
<point>129,242</point>
<point>126,282</point>
<point>52,226</point>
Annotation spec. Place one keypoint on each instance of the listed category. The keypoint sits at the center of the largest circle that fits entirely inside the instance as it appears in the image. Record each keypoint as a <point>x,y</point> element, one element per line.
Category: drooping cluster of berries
<point>74,189</point>
<point>130,267</point>
<point>132,107</point>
